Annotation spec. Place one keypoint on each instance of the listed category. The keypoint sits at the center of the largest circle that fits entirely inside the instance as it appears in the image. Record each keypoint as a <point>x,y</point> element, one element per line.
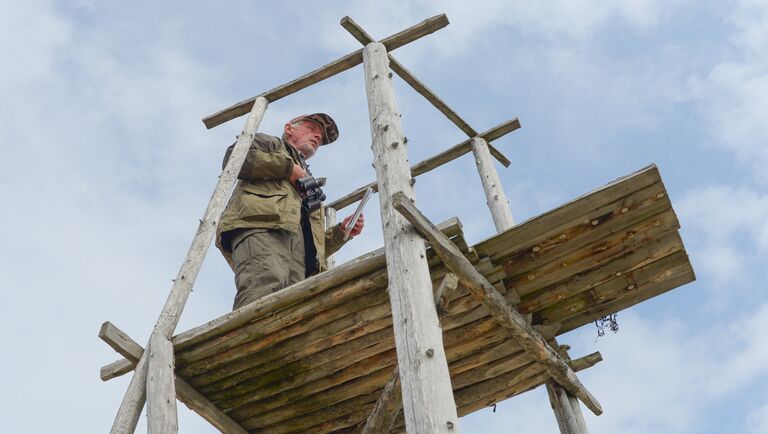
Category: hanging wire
<point>608,321</point>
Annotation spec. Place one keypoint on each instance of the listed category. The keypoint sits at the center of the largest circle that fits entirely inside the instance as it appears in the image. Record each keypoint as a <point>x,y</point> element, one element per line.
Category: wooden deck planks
<point>627,257</point>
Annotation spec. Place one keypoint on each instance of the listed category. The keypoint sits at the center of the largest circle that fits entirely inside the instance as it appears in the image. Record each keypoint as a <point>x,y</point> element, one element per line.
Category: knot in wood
<point>449,424</point>
<point>430,352</point>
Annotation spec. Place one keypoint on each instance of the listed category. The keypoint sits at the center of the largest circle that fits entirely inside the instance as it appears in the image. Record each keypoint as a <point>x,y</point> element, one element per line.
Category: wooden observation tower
<point>427,325</point>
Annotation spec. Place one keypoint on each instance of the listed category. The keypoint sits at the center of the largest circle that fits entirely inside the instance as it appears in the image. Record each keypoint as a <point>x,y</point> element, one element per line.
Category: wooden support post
<point>351,60</point>
<point>126,346</point>
<point>390,402</point>
<point>566,407</point>
<point>364,38</point>
<point>161,391</point>
<point>330,221</point>
<point>576,407</point>
<point>133,402</point>
<point>426,384</point>
<point>509,318</point>
<point>566,419</point>
<point>494,192</point>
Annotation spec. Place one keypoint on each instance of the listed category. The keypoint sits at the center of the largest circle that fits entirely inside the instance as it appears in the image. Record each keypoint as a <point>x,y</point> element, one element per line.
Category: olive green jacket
<point>265,199</point>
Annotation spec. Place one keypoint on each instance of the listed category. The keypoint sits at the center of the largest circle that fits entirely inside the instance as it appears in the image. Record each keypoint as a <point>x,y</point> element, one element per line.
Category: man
<point>266,236</point>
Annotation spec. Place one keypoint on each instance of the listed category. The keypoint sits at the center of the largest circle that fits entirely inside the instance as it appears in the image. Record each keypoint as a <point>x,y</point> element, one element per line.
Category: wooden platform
<point>314,357</point>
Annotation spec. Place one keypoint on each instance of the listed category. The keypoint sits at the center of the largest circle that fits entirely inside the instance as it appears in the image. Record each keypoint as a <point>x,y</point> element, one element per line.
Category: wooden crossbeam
<point>531,341</point>
<point>132,351</point>
<point>438,160</point>
<point>351,60</point>
<point>364,38</point>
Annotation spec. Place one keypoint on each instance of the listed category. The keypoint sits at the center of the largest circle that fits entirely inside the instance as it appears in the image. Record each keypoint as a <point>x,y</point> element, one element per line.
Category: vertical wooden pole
<point>134,399</point>
<point>576,408</point>
<point>567,410</point>
<point>556,409</point>
<point>428,404</point>
<point>566,419</point>
<point>494,193</point>
<point>161,388</point>
<point>330,220</point>
<point>566,407</point>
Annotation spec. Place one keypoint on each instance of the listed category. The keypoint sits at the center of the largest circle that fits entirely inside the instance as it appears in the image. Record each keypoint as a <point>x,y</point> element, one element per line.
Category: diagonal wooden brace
<point>364,38</point>
<point>438,160</point>
<point>349,61</point>
<point>509,318</point>
<point>165,404</point>
<point>132,351</point>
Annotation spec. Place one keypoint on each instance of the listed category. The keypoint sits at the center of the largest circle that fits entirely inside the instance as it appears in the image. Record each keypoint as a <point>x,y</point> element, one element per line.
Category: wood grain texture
<point>338,377</point>
<point>390,402</point>
<point>351,60</point>
<point>438,160</point>
<point>425,381</point>
<point>133,401</point>
<point>161,390</point>
<point>196,402</point>
<point>364,38</point>
<point>330,221</point>
<point>499,307</point>
<point>495,197</point>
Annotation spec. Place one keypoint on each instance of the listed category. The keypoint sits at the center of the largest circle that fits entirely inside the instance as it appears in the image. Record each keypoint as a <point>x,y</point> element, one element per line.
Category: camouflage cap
<point>330,130</point>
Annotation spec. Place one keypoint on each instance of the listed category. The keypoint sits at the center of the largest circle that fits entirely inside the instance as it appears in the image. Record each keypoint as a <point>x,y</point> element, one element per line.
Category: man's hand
<point>296,174</point>
<point>355,229</point>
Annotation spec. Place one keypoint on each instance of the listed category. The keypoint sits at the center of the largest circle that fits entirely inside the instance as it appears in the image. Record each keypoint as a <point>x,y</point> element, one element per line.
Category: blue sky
<point>106,168</point>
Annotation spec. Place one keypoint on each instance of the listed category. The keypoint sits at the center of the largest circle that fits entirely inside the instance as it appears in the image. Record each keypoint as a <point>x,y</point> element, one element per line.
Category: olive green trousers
<point>266,261</point>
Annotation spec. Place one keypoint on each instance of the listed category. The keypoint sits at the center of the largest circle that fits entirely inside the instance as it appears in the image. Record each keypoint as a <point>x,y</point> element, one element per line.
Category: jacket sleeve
<point>334,239</point>
<point>265,160</point>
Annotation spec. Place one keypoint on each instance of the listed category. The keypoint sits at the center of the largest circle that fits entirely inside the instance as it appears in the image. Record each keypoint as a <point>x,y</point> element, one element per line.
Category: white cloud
<point>745,354</point>
<point>725,231</point>
<point>734,94</point>
<point>758,420</point>
<point>33,33</point>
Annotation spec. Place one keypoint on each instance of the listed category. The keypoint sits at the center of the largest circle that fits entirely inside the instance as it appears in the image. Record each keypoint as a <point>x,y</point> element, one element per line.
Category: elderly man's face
<point>305,137</point>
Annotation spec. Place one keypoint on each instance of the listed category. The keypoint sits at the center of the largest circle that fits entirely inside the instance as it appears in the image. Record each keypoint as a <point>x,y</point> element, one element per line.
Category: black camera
<point>311,194</point>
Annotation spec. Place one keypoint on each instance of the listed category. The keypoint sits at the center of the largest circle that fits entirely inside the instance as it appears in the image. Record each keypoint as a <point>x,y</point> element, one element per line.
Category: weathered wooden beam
<point>266,330</point>
<point>294,293</point>
<point>387,408</point>
<point>568,414</point>
<point>133,402</point>
<point>426,383</point>
<point>480,395</point>
<point>364,38</point>
<point>438,160</point>
<point>162,417</point>
<point>390,402</point>
<point>500,309</point>
<point>129,348</point>
<point>115,369</point>
<point>351,60</point>
<point>330,221</point>
<point>494,192</point>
